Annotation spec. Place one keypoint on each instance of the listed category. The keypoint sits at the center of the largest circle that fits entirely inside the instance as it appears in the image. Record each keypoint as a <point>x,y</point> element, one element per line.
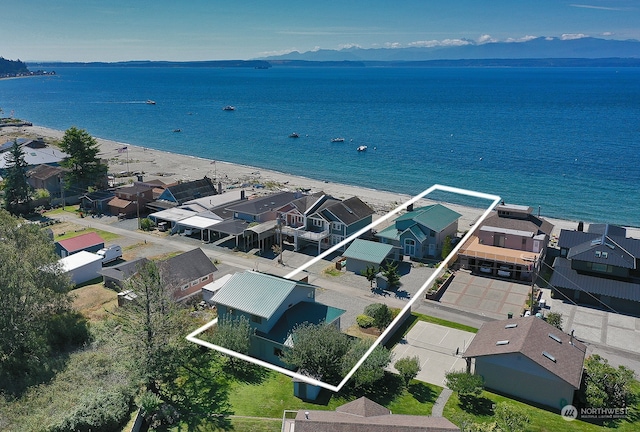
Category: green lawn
<point>106,235</point>
<point>541,420</point>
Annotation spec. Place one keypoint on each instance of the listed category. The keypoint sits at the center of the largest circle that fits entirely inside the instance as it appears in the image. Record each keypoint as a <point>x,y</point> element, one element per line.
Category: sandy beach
<point>171,167</point>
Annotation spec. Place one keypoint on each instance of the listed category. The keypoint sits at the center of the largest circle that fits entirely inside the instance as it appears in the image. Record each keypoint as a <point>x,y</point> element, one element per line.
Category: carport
<point>204,224</point>
<point>172,216</point>
<point>439,349</point>
<point>232,227</point>
<point>261,235</point>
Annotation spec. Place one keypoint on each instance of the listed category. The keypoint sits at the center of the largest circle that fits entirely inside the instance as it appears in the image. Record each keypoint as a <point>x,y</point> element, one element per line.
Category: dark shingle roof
<point>263,204</point>
<point>307,202</point>
<point>186,267</point>
<point>350,210</point>
<point>191,190</point>
<point>620,251</point>
<point>43,172</point>
<point>124,271</point>
<point>565,277</point>
<point>531,337</point>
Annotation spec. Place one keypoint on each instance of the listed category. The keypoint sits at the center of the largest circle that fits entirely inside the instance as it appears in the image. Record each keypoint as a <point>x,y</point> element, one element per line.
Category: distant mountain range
<point>538,48</point>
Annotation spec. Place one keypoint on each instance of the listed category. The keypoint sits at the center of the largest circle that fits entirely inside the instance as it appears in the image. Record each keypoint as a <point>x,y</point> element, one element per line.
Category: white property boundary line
<point>494,201</point>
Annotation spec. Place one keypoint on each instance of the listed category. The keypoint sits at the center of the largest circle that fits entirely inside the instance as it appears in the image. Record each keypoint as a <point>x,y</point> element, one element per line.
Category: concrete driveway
<point>485,296</point>
<point>439,349</point>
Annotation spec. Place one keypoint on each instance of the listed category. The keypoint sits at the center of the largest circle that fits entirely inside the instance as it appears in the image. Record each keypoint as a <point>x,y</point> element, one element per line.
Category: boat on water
<point>177,130</point>
<point>150,102</point>
<point>294,135</point>
<point>362,148</point>
<point>229,108</point>
<point>337,139</point>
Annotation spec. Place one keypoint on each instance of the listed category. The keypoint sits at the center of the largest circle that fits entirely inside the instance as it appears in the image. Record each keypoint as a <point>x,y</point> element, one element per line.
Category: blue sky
<point>118,30</point>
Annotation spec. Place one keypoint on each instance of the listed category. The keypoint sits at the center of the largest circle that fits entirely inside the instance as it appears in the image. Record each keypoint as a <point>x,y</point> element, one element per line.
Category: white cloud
<point>315,48</point>
<point>392,45</point>
<point>522,39</point>
<point>349,45</point>
<point>437,43</point>
<point>572,36</point>
<point>486,39</point>
<point>607,34</point>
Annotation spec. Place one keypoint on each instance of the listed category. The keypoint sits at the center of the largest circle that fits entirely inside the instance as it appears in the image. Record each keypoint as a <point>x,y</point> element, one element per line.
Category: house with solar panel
<point>527,358</point>
<point>274,306</point>
<point>599,267</point>
<point>420,233</point>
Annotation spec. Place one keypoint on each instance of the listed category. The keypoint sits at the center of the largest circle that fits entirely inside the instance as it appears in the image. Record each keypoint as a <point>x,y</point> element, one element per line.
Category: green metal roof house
<point>420,233</point>
<point>274,306</point>
<point>363,253</point>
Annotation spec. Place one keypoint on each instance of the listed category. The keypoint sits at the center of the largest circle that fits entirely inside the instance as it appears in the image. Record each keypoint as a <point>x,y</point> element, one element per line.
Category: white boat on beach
<point>361,148</point>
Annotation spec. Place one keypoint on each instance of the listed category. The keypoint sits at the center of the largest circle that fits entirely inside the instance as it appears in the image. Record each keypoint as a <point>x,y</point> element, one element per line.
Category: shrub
<point>380,313</point>
<point>408,368</point>
<point>147,224</point>
<point>365,321</point>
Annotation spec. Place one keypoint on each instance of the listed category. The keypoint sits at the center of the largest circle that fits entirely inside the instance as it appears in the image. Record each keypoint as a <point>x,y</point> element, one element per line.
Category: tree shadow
<point>479,406</point>
<point>245,372</point>
<point>422,393</point>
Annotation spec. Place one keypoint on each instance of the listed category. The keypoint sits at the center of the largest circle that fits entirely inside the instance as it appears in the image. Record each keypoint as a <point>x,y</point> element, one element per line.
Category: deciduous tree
<point>372,369</point>
<point>318,350</point>
<point>555,319</point>
<point>408,368</point>
<point>447,247</point>
<point>606,386</point>
<point>509,418</point>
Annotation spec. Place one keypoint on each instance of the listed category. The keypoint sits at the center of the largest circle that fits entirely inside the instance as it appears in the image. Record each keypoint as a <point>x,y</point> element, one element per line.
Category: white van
<point>110,253</point>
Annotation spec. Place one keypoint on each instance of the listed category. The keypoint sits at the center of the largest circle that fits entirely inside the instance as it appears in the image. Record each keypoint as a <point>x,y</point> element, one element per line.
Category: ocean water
<point>564,140</point>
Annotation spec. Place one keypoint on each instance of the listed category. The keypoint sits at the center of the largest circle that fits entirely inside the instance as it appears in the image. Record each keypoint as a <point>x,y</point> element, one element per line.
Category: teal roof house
<point>420,233</point>
<point>274,306</point>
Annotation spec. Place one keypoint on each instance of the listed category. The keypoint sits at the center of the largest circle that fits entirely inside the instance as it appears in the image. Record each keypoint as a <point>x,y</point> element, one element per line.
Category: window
<point>204,278</point>
<point>598,254</point>
<point>277,352</point>
<point>317,222</point>
<point>524,243</point>
<point>195,282</point>
<point>310,294</point>
<point>256,319</point>
<point>184,287</point>
<point>336,226</point>
<point>432,233</point>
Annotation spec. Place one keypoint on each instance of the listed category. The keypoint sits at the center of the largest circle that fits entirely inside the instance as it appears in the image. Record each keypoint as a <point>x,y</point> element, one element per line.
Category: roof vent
<point>555,338</point>
<point>605,255</point>
<point>511,326</point>
<point>549,356</point>
<point>502,342</point>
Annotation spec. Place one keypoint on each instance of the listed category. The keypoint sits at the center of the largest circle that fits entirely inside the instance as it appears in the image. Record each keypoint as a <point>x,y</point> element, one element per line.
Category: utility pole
<point>138,207</point>
<point>279,225</point>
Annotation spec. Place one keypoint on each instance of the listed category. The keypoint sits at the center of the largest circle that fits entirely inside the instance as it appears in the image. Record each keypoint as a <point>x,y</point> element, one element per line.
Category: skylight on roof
<point>555,338</point>
<point>549,356</point>
<point>596,242</point>
<point>502,342</point>
<point>511,325</point>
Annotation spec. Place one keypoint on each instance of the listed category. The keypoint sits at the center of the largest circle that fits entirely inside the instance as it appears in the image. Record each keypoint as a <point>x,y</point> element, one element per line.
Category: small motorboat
<point>177,130</point>
<point>361,148</point>
<point>150,102</point>
<point>229,108</point>
<point>337,139</point>
<point>294,135</point>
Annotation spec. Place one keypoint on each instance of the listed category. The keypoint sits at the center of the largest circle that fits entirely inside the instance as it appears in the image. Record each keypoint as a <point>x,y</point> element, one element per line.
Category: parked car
<point>110,254</point>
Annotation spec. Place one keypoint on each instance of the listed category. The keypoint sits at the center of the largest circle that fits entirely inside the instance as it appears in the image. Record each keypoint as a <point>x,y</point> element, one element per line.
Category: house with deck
<point>510,244</point>
<point>273,306</point>
<point>420,233</point>
<point>529,359</point>
<point>323,221</point>
<point>599,267</point>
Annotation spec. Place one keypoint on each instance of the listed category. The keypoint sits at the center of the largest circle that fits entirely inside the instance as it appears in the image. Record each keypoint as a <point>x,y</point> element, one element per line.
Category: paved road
<point>616,337</point>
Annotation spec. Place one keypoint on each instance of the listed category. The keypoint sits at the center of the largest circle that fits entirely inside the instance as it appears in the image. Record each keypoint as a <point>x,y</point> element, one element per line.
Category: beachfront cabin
<point>88,242</point>
<point>509,244</point>
<point>273,307</point>
<point>421,233</point>
<point>528,359</point>
<point>131,201</point>
<point>182,192</point>
<point>599,267</point>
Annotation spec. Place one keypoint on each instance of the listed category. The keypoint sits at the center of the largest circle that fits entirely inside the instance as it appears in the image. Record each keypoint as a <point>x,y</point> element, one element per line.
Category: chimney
<point>219,188</point>
<point>580,226</point>
<point>410,208</point>
<point>140,178</point>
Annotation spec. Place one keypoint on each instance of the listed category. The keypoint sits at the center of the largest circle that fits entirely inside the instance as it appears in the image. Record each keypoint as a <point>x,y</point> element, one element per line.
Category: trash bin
<point>510,315</point>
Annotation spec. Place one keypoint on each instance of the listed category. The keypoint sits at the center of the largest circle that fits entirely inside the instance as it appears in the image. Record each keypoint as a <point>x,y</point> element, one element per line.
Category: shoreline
<point>170,167</point>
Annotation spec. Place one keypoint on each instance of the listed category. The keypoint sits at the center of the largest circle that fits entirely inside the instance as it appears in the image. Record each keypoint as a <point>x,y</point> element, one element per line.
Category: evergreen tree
<point>85,168</point>
<point>370,273</point>
<point>390,272</point>
<point>447,247</point>
<point>17,192</point>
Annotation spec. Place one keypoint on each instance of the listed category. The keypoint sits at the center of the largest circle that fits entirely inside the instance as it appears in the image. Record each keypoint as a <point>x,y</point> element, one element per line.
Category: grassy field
<point>93,301</point>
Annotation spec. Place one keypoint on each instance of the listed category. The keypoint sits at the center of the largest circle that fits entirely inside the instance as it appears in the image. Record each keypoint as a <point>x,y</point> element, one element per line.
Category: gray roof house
<point>600,267</point>
<point>187,273</point>
<point>273,306</point>
<point>364,415</point>
<point>420,233</point>
<point>528,358</point>
<point>116,276</point>
<point>187,191</point>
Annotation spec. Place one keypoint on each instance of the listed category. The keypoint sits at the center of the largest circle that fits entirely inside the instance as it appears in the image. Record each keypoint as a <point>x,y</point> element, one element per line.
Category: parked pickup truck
<point>110,253</point>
